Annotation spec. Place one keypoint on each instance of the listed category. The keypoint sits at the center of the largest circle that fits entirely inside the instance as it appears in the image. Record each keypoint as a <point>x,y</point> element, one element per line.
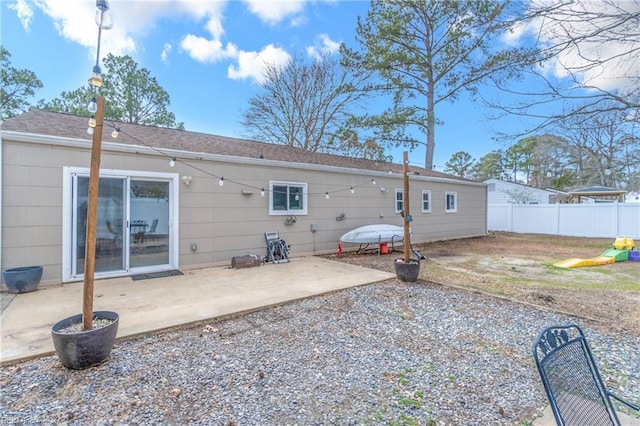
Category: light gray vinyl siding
<point>221,220</point>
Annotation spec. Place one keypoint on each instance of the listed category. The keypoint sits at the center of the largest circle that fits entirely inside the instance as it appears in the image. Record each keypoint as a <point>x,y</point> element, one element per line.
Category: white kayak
<point>374,234</point>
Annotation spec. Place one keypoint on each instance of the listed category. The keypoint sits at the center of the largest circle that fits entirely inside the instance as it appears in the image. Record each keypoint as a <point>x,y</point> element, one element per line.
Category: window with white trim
<point>287,198</point>
<point>399,200</point>
<point>426,201</point>
<point>451,202</point>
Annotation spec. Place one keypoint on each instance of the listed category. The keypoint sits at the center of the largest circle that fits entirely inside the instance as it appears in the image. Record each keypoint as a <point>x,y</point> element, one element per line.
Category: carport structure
<point>599,193</point>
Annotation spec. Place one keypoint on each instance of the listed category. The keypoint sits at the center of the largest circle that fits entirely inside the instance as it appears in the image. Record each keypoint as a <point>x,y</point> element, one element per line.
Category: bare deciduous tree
<point>590,62</point>
<point>603,150</point>
<point>305,105</point>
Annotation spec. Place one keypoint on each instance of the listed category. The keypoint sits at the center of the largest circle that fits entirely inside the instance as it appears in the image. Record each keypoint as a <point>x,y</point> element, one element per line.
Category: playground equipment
<point>623,250</point>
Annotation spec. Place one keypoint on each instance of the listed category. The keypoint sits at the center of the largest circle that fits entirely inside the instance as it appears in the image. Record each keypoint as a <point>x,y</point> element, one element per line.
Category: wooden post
<point>405,199</point>
<point>92,218</point>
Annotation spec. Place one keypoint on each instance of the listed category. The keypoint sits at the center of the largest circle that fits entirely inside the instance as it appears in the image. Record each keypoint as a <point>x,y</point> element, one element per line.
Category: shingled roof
<point>62,125</point>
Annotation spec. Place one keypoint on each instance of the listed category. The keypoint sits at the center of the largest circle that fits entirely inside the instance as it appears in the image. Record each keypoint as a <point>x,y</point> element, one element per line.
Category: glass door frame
<point>69,228</point>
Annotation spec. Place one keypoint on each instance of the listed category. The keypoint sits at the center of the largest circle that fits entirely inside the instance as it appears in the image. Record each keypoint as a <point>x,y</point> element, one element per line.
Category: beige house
<point>174,199</point>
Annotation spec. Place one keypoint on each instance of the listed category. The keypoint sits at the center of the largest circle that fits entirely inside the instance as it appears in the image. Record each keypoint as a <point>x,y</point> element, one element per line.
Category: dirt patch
<point>520,267</point>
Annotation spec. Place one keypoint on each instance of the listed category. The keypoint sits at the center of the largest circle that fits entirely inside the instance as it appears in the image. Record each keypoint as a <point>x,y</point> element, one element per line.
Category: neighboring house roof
<point>519,185</point>
<point>62,125</point>
<point>501,191</point>
<point>596,191</point>
<point>605,190</point>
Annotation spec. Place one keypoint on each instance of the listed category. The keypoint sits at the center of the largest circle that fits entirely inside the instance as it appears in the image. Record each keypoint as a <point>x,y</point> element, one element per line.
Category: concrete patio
<point>161,303</point>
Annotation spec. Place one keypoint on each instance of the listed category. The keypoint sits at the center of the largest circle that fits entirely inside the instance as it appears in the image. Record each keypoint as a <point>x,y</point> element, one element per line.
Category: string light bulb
<point>221,181</point>
<point>373,181</point>
<point>326,195</point>
<point>92,121</point>
<point>96,81</point>
<point>115,133</point>
<point>172,162</point>
<point>90,130</point>
<point>262,192</point>
<point>297,197</point>
<point>104,19</point>
<point>92,106</point>
<point>353,191</point>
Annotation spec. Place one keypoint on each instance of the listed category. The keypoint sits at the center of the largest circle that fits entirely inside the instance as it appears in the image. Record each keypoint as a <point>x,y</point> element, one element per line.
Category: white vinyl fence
<point>607,220</point>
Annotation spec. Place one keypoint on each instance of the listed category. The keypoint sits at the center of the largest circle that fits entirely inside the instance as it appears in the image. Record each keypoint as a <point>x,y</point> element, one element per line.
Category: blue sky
<point>208,55</point>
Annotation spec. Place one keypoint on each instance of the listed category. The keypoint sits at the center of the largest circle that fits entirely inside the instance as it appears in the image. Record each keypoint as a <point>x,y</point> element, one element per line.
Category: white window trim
<point>395,200</point>
<point>426,191</point>
<point>305,199</point>
<point>455,202</point>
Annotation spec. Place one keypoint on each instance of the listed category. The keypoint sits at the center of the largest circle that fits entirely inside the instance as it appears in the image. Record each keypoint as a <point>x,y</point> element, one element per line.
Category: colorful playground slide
<point>621,251</point>
<point>576,262</point>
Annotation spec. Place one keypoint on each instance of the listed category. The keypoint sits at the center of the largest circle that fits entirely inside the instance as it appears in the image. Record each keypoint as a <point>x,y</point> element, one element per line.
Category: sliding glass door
<point>133,233</point>
<point>149,225</point>
<point>110,227</point>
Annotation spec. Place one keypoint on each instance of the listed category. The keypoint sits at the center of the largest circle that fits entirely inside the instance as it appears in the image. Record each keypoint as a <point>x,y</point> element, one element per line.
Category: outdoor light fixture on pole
<point>96,123</point>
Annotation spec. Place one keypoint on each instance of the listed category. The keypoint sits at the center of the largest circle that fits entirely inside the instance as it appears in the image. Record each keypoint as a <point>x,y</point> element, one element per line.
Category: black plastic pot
<point>86,348</point>
<point>23,279</point>
<point>407,272</point>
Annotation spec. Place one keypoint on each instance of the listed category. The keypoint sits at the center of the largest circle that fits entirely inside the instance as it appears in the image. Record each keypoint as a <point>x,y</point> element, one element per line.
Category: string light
<point>90,130</point>
<point>92,121</point>
<point>173,160</point>
<point>92,106</point>
<point>115,133</point>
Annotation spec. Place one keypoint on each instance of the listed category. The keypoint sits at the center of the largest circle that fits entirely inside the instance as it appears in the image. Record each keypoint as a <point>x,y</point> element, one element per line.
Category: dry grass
<point>520,267</point>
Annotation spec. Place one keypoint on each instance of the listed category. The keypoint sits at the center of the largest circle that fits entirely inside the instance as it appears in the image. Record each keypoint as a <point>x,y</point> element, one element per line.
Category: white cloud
<point>166,49</point>
<point>273,12</point>
<point>603,62</point>
<point>24,12</point>
<point>77,24</point>
<point>251,65</point>
<point>134,19</point>
<point>212,11</point>
<point>322,45</point>
<point>208,50</point>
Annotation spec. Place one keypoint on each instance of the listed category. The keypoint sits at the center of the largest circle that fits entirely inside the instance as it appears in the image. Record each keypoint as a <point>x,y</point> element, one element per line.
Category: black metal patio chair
<point>571,379</point>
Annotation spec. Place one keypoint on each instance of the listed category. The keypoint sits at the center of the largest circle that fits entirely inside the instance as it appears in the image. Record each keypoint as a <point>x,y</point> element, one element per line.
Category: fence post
<point>510,217</point>
<point>617,212</point>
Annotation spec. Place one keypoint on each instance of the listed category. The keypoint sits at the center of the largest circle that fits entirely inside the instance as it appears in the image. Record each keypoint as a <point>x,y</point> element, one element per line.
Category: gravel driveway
<point>385,353</point>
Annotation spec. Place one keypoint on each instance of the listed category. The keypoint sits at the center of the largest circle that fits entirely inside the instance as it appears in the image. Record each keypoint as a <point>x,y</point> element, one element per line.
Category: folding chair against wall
<point>154,226</point>
<point>277,250</point>
<point>571,379</point>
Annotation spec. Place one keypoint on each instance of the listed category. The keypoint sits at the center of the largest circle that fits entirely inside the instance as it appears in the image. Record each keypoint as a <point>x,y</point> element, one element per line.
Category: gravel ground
<point>386,353</point>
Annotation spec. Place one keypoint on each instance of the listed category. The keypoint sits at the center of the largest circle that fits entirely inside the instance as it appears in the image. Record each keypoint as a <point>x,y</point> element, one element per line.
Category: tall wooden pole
<point>405,195</point>
<point>92,218</point>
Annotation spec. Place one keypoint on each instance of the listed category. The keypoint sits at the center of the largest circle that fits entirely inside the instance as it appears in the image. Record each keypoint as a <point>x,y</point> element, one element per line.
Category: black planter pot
<point>23,279</point>
<point>407,272</point>
<point>83,349</point>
